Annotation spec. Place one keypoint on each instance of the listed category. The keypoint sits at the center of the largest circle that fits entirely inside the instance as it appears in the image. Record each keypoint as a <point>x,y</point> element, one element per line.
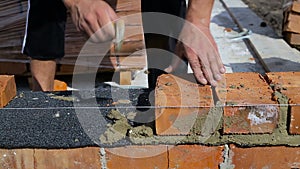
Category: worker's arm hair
<point>199,11</point>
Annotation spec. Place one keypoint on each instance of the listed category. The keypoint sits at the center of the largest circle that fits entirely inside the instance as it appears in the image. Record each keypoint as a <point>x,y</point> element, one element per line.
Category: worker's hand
<point>198,44</point>
<point>94,17</point>
<point>200,49</point>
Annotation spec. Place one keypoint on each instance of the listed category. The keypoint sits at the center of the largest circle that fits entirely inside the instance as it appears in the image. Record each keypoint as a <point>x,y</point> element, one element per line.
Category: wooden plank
<point>13,68</point>
<point>17,159</point>
<point>275,52</point>
<point>126,5</point>
<point>132,63</point>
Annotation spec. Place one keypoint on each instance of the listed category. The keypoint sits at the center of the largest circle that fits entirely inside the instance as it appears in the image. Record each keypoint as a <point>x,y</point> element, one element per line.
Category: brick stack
<point>292,24</point>
<point>12,29</point>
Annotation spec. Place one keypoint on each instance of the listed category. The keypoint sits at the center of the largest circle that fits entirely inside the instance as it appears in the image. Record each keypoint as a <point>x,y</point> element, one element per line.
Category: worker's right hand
<point>94,17</point>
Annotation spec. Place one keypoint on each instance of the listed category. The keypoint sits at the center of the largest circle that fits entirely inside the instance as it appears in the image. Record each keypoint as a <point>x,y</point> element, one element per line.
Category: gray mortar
<point>278,137</point>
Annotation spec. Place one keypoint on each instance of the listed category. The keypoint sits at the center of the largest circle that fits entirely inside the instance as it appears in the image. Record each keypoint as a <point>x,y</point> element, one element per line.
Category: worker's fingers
<point>217,57</point>
<point>179,52</point>
<point>95,18</point>
<point>214,67</point>
<point>85,27</point>
<point>75,19</point>
<point>207,68</point>
<point>105,20</point>
<point>196,65</point>
<point>112,14</point>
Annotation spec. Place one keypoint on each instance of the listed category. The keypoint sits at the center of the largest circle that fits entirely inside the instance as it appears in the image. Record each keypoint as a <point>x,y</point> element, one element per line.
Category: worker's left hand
<point>198,46</point>
<point>94,17</point>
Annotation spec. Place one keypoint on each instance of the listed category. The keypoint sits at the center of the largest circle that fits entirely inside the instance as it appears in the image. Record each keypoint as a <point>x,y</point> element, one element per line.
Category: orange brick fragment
<point>266,157</point>
<point>249,105</point>
<point>60,85</point>
<point>8,89</point>
<point>178,104</point>
<point>288,83</point>
<point>195,156</point>
<point>137,157</point>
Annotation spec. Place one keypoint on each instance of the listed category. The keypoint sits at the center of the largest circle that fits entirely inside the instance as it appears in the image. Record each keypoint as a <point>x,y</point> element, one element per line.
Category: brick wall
<point>249,121</point>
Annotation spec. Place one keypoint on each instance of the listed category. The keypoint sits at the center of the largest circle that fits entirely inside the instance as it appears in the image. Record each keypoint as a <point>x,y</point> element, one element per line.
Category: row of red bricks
<point>251,103</point>
<point>153,157</point>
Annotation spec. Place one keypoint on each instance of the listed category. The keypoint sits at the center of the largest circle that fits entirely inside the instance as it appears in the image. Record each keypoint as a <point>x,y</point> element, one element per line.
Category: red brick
<point>137,157</point>
<point>266,157</point>
<point>293,38</point>
<point>249,105</point>
<point>284,79</point>
<point>68,158</point>
<point>288,83</point>
<point>296,6</point>
<point>7,89</point>
<point>178,103</point>
<point>195,156</point>
<point>17,159</point>
<point>292,23</point>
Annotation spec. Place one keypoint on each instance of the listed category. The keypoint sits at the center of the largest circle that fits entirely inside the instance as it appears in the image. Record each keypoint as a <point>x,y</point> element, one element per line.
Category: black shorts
<point>45,29</point>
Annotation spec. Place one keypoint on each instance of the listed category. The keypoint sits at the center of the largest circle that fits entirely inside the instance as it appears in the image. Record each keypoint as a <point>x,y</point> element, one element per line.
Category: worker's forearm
<point>69,3</point>
<point>199,11</point>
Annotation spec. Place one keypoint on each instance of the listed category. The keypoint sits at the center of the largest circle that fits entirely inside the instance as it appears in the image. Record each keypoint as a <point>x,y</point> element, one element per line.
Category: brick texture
<point>293,38</point>
<point>288,83</point>
<point>249,105</point>
<point>195,156</point>
<point>296,6</point>
<point>17,159</point>
<point>266,157</point>
<point>137,157</point>
<point>179,102</point>
<point>7,89</point>
<point>70,158</point>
